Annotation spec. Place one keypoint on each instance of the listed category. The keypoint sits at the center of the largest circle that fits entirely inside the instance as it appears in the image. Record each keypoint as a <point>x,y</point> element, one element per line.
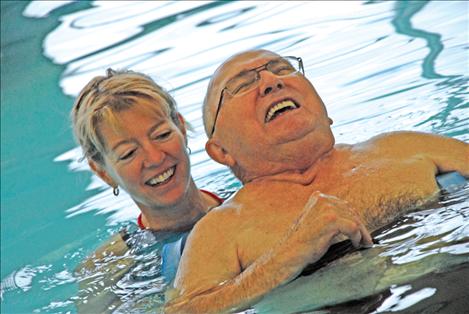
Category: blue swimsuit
<point>171,252</point>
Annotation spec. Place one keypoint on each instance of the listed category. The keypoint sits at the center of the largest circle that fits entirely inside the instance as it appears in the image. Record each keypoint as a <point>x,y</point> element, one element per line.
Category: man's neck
<point>303,176</point>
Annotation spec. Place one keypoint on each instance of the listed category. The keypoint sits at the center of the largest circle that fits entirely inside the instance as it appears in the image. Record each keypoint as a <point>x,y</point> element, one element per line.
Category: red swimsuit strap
<point>213,195</point>
<point>139,222</point>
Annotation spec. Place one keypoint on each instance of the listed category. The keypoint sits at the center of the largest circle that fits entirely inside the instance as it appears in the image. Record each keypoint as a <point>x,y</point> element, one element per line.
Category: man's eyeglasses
<point>248,80</point>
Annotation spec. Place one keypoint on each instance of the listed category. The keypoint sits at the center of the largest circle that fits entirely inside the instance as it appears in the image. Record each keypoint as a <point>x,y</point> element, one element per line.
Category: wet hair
<point>104,96</point>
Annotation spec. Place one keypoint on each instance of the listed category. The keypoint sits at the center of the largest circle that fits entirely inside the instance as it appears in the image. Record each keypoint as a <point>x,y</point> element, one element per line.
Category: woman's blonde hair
<point>104,96</point>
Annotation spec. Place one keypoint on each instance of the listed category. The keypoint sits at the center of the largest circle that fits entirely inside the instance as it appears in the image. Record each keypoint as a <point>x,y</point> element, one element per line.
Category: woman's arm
<point>106,266</point>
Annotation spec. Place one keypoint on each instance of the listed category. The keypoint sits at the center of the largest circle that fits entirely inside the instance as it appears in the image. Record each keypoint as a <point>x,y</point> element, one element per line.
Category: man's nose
<point>153,155</point>
<point>269,83</point>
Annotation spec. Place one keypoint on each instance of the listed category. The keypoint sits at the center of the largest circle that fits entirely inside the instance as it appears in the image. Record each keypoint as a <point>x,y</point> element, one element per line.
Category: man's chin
<point>291,133</point>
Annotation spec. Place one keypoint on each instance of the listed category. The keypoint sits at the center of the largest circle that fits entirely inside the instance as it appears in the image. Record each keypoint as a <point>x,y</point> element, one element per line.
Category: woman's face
<point>146,156</point>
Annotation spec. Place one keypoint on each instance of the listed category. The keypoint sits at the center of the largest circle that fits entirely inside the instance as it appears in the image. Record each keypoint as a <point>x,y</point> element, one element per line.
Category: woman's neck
<point>182,216</point>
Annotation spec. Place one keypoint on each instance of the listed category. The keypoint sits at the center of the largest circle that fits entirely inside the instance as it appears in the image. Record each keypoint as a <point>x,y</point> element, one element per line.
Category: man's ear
<point>219,154</point>
<point>99,170</point>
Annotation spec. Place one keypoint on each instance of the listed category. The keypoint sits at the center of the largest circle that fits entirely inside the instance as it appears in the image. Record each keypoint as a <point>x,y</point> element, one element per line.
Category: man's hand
<point>326,220</point>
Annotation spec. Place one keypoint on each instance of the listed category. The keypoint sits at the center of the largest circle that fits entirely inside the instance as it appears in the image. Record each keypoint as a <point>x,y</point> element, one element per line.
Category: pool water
<point>379,66</point>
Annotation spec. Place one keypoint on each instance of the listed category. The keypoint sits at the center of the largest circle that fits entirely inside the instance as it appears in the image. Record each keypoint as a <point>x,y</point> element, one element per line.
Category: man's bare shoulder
<point>410,137</point>
<point>396,136</point>
<point>220,218</point>
<point>402,143</point>
<point>245,194</point>
<point>250,198</point>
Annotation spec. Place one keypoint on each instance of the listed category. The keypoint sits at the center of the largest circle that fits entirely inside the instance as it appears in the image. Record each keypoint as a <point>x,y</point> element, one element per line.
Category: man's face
<point>279,125</point>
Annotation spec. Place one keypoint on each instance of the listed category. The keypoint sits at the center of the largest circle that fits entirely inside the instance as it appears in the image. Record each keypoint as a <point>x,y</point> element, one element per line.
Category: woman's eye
<point>162,136</point>
<point>127,155</point>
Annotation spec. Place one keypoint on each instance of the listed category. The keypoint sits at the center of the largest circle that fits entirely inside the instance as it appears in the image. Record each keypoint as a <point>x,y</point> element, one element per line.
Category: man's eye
<point>241,82</point>
<point>242,87</point>
<point>127,155</point>
<point>280,67</point>
<point>283,69</point>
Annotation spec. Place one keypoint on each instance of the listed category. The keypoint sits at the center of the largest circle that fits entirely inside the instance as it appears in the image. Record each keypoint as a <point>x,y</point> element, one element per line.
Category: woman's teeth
<point>279,108</point>
<point>162,178</point>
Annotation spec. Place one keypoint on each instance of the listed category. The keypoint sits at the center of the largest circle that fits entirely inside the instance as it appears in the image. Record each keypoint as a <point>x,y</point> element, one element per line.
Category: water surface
<point>379,66</point>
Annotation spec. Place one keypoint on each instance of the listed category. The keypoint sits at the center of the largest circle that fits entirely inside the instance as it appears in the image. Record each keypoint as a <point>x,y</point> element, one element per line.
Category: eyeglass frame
<point>258,70</point>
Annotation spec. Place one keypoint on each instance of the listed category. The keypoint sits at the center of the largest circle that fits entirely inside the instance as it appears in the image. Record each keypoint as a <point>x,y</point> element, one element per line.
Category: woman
<point>134,139</point>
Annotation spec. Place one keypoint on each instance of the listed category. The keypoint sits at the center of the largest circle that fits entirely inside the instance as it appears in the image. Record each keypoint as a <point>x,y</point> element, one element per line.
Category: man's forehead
<point>243,61</point>
<point>230,68</point>
<point>238,63</point>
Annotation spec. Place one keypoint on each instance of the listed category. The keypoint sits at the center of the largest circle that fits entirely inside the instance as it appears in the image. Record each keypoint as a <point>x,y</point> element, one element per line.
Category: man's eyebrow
<point>243,71</point>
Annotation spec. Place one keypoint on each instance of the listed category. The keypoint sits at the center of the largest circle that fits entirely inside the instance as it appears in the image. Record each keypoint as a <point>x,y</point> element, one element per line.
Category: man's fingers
<point>367,240</point>
<point>356,232</point>
<point>356,238</point>
<point>312,201</point>
<point>339,216</point>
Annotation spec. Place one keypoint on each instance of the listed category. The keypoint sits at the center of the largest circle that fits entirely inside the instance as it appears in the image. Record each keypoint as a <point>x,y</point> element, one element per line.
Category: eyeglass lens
<point>246,80</point>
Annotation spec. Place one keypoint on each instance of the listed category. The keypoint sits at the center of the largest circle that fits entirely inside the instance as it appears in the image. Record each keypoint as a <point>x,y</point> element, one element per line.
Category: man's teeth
<point>162,177</point>
<point>279,107</point>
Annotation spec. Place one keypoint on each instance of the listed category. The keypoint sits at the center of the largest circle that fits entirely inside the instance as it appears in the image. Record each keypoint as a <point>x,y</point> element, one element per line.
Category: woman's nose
<point>269,83</point>
<point>153,155</point>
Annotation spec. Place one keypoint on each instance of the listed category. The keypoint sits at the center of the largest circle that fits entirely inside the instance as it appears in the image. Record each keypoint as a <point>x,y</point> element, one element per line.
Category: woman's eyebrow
<point>126,141</point>
<point>149,132</point>
<point>155,126</point>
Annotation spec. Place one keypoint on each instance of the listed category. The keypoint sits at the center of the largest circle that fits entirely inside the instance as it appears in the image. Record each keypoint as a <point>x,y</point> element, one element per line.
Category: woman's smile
<point>162,178</point>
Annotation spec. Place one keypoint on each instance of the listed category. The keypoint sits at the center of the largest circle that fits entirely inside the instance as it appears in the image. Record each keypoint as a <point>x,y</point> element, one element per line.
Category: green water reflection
<point>35,191</point>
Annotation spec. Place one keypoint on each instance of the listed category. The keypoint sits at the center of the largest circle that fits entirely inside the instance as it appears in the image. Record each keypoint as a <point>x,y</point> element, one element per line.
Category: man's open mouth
<point>277,109</point>
<point>161,178</point>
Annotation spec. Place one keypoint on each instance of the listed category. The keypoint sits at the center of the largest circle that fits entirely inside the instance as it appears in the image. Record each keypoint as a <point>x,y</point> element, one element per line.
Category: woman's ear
<point>182,125</point>
<point>219,154</point>
<point>99,170</point>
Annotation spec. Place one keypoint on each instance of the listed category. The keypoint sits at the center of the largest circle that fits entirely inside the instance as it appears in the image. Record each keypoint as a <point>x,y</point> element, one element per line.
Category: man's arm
<point>448,154</point>
<point>213,254</point>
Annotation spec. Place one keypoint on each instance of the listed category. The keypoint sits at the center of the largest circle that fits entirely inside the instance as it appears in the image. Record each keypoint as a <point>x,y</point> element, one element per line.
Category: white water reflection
<point>369,77</point>
<point>371,74</point>
<point>401,269</point>
<point>41,9</point>
<point>396,302</point>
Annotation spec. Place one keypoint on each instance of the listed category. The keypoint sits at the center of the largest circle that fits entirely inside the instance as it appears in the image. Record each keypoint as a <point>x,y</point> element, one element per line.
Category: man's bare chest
<point>379,190</point>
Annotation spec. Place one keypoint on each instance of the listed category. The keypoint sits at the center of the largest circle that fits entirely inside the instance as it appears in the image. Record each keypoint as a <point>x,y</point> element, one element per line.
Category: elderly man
<point>266,122</point>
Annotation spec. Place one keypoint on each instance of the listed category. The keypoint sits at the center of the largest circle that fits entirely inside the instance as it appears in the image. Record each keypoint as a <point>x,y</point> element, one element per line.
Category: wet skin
<point>279,222</point>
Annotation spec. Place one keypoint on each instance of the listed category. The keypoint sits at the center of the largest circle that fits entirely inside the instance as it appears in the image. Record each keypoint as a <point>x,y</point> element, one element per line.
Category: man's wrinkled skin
<point>301,192</point>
